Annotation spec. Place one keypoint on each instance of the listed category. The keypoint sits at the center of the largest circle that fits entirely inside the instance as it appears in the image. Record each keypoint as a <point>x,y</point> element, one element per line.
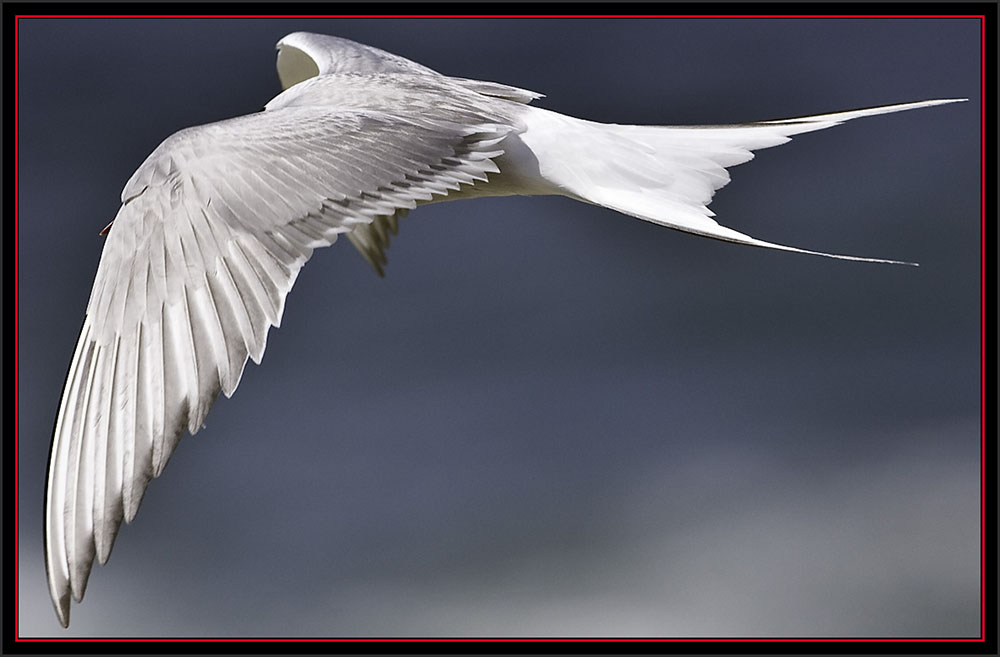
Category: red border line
<point>595,16</point>
<point>506,640</point>
<point>982,316</point>
<point>982,328</point>
<point>17,405</point>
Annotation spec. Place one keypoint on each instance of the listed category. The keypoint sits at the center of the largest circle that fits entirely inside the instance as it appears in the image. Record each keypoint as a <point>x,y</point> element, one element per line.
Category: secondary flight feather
<point>217,222</point>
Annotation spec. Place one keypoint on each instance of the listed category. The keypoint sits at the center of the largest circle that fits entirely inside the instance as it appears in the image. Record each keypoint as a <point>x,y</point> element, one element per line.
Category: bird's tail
<point>665,174</point>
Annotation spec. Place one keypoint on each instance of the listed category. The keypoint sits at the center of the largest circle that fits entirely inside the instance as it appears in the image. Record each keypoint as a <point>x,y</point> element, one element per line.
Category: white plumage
<point>217,222</point>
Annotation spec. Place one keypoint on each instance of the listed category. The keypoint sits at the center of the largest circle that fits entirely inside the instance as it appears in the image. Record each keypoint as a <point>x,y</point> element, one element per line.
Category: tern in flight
<point>217,222</point>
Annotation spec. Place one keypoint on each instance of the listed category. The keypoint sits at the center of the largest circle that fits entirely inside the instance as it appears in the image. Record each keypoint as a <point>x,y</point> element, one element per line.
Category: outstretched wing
<point>213,230</point>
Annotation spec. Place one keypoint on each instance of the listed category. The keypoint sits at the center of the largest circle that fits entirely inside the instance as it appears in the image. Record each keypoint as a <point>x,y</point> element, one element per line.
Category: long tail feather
<point>668,174</point>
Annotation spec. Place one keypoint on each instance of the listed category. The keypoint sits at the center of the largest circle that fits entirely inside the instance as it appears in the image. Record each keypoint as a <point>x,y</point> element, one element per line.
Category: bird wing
<point>302,55</point>
<point>213,230</point>
<point>340,71</point>
<point>305,55</point>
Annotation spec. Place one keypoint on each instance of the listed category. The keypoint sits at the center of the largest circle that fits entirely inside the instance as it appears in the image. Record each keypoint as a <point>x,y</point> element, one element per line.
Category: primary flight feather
<point>217,222</point>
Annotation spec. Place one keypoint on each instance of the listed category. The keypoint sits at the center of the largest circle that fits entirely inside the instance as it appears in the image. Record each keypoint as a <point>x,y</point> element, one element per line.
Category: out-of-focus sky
<point>549,418</point>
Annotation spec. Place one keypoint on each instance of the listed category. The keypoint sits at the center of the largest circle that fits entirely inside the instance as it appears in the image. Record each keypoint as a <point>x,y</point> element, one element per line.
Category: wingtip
<point>62,609</point>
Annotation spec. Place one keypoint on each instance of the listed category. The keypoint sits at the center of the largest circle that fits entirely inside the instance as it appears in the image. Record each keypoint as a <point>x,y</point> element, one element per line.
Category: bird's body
<point>217,222</point>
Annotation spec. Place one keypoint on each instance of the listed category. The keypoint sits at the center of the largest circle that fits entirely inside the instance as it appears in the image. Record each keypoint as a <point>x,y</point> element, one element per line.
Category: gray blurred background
<point>549,418</point>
